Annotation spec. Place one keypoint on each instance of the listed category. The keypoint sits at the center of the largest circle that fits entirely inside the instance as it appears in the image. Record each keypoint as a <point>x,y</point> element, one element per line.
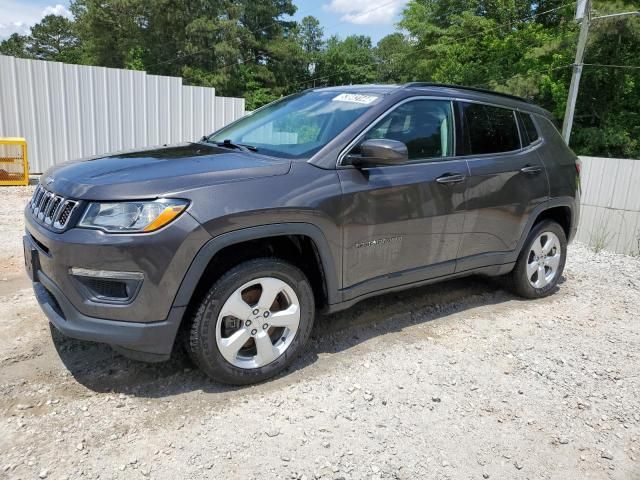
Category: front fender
<point>213,246</point>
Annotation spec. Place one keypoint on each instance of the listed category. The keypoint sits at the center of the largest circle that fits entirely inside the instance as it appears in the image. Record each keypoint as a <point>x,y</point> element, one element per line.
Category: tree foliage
<point>15,46</point>
<point>347,61</point>
<point>254,49</point>
<point>54,38</point>
<point>527,48</point>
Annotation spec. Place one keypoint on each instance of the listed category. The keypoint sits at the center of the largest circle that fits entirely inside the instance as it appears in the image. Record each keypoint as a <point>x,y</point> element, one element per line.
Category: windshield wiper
<point>226,143</point>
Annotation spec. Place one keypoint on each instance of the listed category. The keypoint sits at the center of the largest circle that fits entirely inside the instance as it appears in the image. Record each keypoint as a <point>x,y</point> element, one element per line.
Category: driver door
<point>404,223</point>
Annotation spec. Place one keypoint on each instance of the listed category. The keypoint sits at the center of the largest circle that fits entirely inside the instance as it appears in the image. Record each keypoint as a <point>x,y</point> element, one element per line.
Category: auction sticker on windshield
<point>355,98</point>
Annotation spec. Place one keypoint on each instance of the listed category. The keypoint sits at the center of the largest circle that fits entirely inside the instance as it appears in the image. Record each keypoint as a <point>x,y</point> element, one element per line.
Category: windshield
<point>299,125</point>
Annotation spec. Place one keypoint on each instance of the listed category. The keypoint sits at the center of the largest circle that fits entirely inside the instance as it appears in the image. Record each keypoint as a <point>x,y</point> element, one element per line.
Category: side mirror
<point>380,151</point>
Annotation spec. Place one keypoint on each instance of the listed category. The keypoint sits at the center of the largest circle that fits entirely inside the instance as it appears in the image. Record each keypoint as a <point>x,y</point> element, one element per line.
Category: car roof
<point>435,89</point>
<point>380,89</point>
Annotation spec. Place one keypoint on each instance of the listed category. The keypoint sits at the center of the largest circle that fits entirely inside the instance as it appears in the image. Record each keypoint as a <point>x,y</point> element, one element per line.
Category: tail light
<point>578,166</point>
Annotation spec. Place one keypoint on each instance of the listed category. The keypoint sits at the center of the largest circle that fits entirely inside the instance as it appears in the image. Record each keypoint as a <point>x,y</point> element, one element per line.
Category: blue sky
<point>375,18</point>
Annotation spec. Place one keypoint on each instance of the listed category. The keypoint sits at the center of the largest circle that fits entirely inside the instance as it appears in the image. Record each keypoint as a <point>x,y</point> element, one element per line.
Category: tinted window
<point>529,127</point>
<point>489,129</point>
<point>424,126</point>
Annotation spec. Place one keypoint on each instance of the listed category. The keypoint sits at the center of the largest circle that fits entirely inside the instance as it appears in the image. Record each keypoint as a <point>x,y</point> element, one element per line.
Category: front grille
<point>51,209</point>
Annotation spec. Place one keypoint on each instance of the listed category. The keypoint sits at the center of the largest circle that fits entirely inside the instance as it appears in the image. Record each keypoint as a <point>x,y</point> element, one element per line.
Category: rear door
<point>404,223</point>
<point>507,181</point>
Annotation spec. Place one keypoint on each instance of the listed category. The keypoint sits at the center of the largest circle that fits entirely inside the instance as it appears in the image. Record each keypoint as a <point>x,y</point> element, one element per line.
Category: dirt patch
<point>457,380</point>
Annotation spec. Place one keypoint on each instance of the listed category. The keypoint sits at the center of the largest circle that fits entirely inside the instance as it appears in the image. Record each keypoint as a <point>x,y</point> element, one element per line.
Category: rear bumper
<point>143,341</point>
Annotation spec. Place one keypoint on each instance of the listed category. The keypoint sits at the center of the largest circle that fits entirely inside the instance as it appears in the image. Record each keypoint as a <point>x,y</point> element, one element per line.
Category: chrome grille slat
<point>67,208</point>
<point>54,205</point>
<point>45,205</point>
<point>36,197</point>
<point>50,209</point>
<point>35,204</point>
<point>55,214</point>
<point>50,204</point>
<point>41,198</point>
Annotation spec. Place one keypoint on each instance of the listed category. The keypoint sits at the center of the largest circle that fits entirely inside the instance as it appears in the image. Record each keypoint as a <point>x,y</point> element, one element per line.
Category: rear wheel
<point>541,262</point>
<point>253,322</point>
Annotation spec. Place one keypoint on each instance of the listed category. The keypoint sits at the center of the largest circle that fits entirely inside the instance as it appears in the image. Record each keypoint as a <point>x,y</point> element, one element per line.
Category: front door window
<point>424,126</point>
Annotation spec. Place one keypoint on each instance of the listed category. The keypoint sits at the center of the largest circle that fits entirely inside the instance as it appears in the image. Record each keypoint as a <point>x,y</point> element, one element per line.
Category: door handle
<point>450,178</point>
<point>531,170</point>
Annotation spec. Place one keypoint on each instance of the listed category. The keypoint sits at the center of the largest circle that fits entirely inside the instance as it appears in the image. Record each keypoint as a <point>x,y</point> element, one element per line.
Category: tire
<point>243,293</point>
<point>526,282</point>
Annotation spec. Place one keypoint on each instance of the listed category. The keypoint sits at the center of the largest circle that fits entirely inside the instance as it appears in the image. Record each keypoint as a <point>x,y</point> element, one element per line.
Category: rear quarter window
<point>529,127</point>
<point>488,129</point>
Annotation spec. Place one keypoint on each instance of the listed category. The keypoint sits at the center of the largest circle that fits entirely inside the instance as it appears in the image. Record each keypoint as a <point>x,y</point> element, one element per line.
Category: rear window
<point>488,129</point>
<point>529,127</point>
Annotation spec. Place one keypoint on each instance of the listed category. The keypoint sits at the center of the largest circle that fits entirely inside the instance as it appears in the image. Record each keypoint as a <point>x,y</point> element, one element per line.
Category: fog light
<point>106,286</point>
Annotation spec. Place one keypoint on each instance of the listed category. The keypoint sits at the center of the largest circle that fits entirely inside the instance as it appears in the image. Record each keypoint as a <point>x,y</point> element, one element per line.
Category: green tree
<point>526,48</point>
<point>15,45</point>
<point>392,55</point>
<point>311,35</point>
<point>108,30</point>
<point>54,38</point>
<point>347,61</point>
<point>237,46</point>
<point>607,118</point>
<point>311,39</point>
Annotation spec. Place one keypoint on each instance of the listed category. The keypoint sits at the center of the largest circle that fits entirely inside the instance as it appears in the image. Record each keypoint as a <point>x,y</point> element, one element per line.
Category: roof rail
<point>462,87</point>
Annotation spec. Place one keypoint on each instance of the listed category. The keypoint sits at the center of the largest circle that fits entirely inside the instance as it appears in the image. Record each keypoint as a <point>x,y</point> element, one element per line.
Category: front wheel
<point>253,322</point>
<point>541,261</point>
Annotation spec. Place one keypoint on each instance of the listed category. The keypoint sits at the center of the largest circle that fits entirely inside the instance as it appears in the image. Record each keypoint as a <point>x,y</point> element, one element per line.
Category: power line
<point>527,74</point>
<point>578,65</point>
<point>631,67</point>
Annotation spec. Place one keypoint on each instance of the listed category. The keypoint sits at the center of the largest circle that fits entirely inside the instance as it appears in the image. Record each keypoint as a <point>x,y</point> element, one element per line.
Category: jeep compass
<point>313,202</point>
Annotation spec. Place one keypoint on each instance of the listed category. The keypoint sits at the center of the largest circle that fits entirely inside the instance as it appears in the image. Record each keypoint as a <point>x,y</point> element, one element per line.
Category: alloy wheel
<point>258,322</point>
<point>544,260</point>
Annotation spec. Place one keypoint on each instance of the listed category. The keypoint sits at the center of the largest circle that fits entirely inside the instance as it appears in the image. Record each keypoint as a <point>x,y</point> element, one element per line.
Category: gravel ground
<point>458,380</point>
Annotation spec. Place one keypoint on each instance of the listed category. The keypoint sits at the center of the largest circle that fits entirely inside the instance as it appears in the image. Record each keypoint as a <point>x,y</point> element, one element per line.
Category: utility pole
<point>584,8</point>
<point>583,11</point>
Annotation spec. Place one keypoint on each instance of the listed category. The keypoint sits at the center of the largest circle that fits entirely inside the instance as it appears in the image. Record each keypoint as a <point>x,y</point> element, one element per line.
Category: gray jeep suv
<point>316,201</point>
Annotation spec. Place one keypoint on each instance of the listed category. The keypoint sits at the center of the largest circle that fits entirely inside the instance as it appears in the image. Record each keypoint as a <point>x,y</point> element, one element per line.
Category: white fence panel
<point>610,215</point>
<point>68,112</point>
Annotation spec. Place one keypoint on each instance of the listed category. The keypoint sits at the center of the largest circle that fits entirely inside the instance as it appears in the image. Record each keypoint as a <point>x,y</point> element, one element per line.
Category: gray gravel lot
<point>458,380</point>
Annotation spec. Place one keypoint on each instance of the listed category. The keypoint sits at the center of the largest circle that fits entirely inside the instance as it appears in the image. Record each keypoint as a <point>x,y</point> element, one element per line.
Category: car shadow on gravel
<point>101,369</point>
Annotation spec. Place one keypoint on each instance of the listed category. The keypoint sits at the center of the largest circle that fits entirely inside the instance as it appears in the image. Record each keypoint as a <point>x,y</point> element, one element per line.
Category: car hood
<point>157,172</point>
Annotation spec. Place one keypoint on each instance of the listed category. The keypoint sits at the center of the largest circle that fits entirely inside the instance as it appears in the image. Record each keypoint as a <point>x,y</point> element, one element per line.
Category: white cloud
<point>18,16</point>
<point>57,9</point>
<point>365,12</point>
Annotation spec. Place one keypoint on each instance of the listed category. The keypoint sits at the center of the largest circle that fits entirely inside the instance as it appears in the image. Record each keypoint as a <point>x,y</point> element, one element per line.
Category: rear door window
<point>488,129</point>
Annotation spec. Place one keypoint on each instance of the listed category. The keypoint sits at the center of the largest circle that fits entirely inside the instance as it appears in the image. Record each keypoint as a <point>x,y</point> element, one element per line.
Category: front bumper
<point>146,327</point>
<point>142,341</point>
<point>163,257</point>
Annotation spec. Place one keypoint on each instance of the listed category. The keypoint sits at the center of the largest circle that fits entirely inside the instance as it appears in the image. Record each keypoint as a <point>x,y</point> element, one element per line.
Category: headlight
<point>132,217</point>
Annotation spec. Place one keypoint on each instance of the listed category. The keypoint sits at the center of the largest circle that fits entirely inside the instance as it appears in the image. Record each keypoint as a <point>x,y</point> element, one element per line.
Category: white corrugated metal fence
<point>610,214</point>
<point>72,111</point>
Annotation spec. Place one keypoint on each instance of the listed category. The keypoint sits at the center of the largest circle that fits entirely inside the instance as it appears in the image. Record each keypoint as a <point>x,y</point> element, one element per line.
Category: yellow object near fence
<point>14,167</point>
